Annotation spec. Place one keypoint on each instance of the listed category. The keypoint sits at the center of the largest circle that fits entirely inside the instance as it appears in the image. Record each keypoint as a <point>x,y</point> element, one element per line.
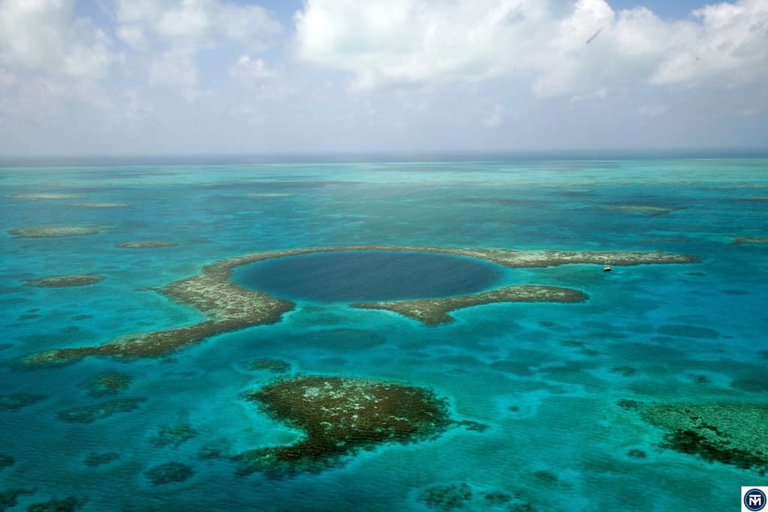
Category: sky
<point>185,77</point>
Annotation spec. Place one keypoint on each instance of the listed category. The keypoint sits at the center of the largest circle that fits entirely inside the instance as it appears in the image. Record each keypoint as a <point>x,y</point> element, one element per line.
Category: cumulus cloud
<point>194,24</point>
<point>172,33</point>
<point>564,47</point>
<point>250,70</point>
<point>44,36</point>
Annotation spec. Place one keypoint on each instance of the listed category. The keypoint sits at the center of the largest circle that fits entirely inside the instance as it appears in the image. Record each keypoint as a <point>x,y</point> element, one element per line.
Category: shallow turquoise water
<point>541,376</point>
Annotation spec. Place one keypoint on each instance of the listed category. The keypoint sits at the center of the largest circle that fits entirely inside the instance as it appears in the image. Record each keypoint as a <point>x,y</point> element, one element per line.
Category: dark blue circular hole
<point>349,276</point>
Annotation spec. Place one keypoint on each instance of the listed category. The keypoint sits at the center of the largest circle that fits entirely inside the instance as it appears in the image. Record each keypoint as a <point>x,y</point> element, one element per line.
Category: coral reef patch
<point>108,383</point>
<point>93,460</point>
<point>169,473</point>
<point>270,194</point>
<point>55,231</point>
<point>173,435</point>
<point>70,504</point>
<point>340,416</point>
<point>99,411</point>
<point>461,496</point>
<point>18,401</point>
<point>146,244</point>
<point>65,281</point>
<point>269,365</point>
<point>729,433</point>
<point>44,195</point>
<point>6,461</point>
<point>435,311</point>
<point>754,240</point>
<point>102,205</point>
<point>229,307</point>
<point>642,209</point>
<point>9,499</point>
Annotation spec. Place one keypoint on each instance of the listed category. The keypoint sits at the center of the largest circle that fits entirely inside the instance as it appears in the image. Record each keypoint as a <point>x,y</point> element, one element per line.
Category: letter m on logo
<point>755,500</point>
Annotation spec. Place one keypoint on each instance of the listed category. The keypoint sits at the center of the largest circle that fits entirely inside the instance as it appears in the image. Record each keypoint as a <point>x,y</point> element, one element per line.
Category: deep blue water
<point>363,276</point>
<point>542,377</point>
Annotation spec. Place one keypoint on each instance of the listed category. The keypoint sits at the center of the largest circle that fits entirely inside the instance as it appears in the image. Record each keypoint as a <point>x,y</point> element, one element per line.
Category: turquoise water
<point>543,378</point>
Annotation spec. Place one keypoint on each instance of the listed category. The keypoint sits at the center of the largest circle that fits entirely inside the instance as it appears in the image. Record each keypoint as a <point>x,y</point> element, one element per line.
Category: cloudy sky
<point>144,77</point>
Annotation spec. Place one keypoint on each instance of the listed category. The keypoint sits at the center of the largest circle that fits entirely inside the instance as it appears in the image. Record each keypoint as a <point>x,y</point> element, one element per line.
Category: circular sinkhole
<point>353,276</point>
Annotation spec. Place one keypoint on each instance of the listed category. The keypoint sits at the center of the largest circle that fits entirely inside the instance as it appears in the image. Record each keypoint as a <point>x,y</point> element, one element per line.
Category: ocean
<point>648,395</point>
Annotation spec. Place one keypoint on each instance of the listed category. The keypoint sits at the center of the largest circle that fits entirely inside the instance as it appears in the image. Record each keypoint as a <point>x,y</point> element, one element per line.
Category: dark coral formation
<point>755,240</point>
<point>9,499</point>
<point>217,449</point>
<point>435,311</point>
<point>102,205</point>
<point>99,459</point>
<point>340,416</point>
<point>65,281</point>
<point>6,461</point>
<point>229,307</point>
<point>446,497</point>
<point>624,371</point>
<point>146,244</point>
<point>169,473</point>
<point>108,383</point>
<point>643,209</point>
<point>269,365</point>
<point>99,411</point>
<point>688,331</point>
<point>70,504</point>
<point>173,435</point>
<point>55,231</point>
<point>730,433</point>
<point>18,401</point>
<point>463,496</point>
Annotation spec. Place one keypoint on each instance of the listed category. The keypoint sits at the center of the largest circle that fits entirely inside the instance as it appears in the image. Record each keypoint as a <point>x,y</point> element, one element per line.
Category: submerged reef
<point>18,401</point>
<point>9,499</point>
<point>174,435</point>
<point>446,497</point>
<point>44,195</point>
<point>146,244</point>
<point>435,311</point>
<point>55,231</point>
<point>108,383</point>
<point>730,433</point>
<point>463,496</point>
<point>6,461</point>
<point>230,307</point>
<point>169,473</point>
<point>70,504</point>
<point>340,416</point>
<point>99,411</point>
<point>270,194</point>
<point>269,365</point>
<point>99,459</point>
<point>644,209</point>
<point>754,240</point>
<point>65,281</point>
<point>102,205</point>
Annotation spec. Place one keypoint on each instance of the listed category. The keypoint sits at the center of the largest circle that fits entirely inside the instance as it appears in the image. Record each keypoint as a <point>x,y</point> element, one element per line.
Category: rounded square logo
<point>753,498</point>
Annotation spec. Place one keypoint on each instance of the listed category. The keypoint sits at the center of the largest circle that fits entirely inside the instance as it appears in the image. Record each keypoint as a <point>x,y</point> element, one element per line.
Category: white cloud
<point>175,69</point>
<point>729,45</point>
<point>44,36</point>
<point>177,30</point>
<point>248,70</point>
<point>195,24</point>
<point>562,46</point>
